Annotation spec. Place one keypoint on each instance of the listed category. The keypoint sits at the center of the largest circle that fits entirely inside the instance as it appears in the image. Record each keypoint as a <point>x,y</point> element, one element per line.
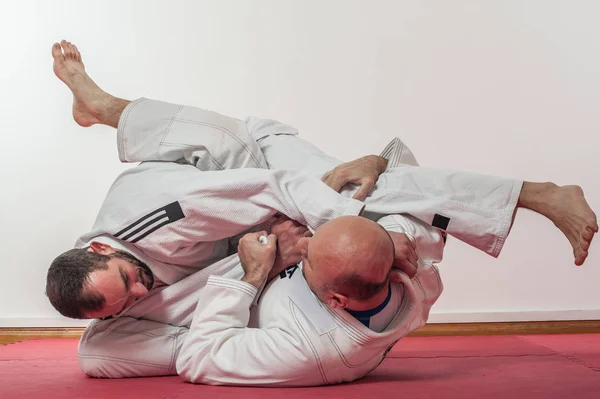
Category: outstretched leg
<point>476,209</point>
<point>91,104</point>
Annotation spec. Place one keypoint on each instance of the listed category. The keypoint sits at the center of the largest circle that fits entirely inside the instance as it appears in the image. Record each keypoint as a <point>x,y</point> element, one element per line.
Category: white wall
<point>498,87</point>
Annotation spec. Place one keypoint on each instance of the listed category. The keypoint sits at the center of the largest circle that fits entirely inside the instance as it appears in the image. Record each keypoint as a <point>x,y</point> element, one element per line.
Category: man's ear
<point>303,245</point>
<point>395,277</point>
<point>100,248</point>
<point>336,300</point>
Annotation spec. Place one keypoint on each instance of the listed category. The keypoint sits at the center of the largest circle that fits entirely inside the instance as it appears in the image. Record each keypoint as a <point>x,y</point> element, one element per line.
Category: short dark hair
<point>357,287</point>
<point>66,282</point>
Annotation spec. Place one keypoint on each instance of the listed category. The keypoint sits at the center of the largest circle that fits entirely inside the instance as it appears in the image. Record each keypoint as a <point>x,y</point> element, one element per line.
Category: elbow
<point>94,357</point>
<point>97,368</point>
<point>92,363</point>
<point>183,369</point>
<point>188,370</point>
<point>200,368</point>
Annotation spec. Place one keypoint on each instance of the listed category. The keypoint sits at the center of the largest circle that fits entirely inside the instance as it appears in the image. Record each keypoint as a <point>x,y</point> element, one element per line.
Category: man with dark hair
<point>70,273</point>
<point>67,276</point>
<point>191,311</point>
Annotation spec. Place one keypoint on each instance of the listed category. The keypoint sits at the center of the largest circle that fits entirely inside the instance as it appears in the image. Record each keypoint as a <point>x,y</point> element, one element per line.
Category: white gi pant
<point>147,339</point>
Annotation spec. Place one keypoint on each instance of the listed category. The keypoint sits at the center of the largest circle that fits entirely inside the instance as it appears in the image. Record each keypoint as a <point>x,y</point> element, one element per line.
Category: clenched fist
<point>289,233</point>
<point>257,258</point>
<point>405,256</point>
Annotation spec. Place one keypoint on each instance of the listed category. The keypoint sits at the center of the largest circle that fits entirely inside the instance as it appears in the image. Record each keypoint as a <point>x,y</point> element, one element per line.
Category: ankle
<point>534,195</point>
<point>100,105</point>
<point>110,112</point>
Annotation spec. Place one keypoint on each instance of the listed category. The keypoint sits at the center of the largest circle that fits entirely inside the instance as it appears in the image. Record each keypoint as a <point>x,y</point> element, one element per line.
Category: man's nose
<point>139,290</point>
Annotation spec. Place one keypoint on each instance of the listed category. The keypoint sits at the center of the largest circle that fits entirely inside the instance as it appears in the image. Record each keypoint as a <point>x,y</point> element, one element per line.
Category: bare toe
<point>56,51</point>
<point>71,51</point>
<point>65,46</point>
<point>585,245</point>
<point>77,53</point>
<point>580,258</point>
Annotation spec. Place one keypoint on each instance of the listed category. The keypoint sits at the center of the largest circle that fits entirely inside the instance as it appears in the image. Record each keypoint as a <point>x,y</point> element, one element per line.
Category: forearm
<point>259,194</point>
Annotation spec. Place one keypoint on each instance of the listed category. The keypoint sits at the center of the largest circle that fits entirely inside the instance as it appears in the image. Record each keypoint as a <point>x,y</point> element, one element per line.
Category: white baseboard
<point>435,318</point>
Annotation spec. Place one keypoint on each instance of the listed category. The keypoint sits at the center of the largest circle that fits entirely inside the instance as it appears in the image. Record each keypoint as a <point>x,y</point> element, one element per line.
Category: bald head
<point>350,255</point>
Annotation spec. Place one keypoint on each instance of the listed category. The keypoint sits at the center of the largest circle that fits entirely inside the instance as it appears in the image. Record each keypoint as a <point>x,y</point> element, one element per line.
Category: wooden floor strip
<point>509,328</point>
<point>9,335</point>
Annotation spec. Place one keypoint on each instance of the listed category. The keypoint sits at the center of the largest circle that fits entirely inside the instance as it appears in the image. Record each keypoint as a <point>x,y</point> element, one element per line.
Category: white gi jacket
<point>298,340</point>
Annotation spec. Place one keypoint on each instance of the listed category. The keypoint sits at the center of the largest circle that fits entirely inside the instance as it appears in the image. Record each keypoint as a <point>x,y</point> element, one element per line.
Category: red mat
<point>532,367</point>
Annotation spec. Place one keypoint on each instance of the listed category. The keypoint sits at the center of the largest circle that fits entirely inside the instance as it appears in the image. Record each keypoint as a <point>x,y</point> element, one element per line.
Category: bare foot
<point>567,208</point>
<point>88,98</point>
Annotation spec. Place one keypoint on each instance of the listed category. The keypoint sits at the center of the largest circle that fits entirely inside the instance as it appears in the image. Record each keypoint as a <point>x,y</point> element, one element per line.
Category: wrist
<point>254,279</point>
<point>381,164</point>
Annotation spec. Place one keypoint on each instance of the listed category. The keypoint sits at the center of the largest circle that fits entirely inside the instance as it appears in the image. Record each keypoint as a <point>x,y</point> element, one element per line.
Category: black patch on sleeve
<point>441,222</point>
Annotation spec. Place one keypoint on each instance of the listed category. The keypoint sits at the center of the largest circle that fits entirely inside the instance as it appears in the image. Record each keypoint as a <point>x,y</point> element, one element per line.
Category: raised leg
<point>149,130</point>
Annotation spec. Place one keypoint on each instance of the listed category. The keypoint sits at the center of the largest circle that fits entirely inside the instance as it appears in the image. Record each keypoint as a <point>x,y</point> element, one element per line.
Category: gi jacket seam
<point>173,365</point>
<point>343,357</point>
<point>167,131</point>
<point>307,338</point>
<point>235,285</point>
<point>361,337</point>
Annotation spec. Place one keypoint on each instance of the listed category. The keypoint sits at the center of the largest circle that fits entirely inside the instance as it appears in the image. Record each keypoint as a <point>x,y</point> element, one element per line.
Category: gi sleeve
<point>220,349</point>
<point>429,244</point>
<point>129,347</point>
<point>228,202</point>
<point>175,213</point>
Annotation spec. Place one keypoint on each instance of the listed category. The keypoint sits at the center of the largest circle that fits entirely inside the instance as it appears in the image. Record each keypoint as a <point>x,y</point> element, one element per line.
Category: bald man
<point>349,266</point>
<point>304,339</point>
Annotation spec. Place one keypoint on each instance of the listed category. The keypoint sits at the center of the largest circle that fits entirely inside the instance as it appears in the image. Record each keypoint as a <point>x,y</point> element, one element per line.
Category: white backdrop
<point>498,87</point>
